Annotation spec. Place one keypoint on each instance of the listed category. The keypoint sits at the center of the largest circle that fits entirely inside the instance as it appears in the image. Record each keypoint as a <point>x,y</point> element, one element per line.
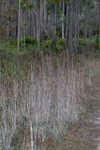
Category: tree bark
<point>31,135</point>
<point>38,23</point>
<point>19,23</point>
<point>63,7</point>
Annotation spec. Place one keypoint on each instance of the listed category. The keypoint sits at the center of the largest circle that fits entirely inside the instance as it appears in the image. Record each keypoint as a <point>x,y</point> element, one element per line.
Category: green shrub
<point>94,39</point>
<point>58,31</point>
<point>46,44</point>
<point>28,41</point>
<point>60,44</point>
<point>13,42</point>
<point>82,42</point>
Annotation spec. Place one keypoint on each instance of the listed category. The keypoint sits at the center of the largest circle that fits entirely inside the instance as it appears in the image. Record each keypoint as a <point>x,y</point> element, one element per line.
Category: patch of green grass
<point>91,41</point>
<point>7,48</point>
<point>82,42</point>
<point>46,44</point>
<point>60,44</point>
<point>29,45</point>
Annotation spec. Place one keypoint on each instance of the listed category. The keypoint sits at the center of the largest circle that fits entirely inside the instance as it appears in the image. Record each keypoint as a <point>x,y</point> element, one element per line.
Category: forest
<point>50,24</point>
<point>49,74</point>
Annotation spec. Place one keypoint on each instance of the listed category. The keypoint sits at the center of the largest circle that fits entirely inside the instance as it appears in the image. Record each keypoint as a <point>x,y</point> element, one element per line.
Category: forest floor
<point>85,135</point>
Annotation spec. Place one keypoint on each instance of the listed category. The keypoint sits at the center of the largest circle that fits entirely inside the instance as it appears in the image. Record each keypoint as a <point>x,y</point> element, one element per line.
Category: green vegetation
<point>46,44</point>
<point>60,44</point>
<point>29,45</point>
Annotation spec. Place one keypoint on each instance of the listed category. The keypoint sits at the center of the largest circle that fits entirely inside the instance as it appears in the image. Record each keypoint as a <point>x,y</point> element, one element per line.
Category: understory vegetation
<point>10,47</point>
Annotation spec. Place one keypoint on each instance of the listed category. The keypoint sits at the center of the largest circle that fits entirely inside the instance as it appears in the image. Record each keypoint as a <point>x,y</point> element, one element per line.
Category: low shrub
<point>60,44</point>
<point>46,44</point>
<point>13,43</point>
<point>28,41</point>
<point>82,42</point>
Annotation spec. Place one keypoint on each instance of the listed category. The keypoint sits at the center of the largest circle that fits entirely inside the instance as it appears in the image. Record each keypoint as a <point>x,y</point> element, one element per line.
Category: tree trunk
<point>69,26</point>
<point>19,22</point>
<point>63,3</point>
<point>98,25</point>
<point>45,13</point>
<point>55,18</point>
<point>38,23</point>
<point>31,135</point>
<point>76,13</point>
<point>86,20</point>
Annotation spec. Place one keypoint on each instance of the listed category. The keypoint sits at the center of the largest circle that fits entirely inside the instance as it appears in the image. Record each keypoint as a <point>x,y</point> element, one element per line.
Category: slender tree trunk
<point>98,24</point>
<point>55,18</point>
<point>86,20</point>
<point>45,13</point>
<point>30,24</point>
<point>63,3</point>
<point>69,26</point>
<point>31,135</point>
<point>41,13</point>
<point>76,13</point>
<point>38,23</point>
<point>19,23</point>
<point>24,30</point>
<point>30,17</point>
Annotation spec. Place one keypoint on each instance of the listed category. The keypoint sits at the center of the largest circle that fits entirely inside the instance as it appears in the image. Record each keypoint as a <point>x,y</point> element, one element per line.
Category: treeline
<point>66,20</point>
